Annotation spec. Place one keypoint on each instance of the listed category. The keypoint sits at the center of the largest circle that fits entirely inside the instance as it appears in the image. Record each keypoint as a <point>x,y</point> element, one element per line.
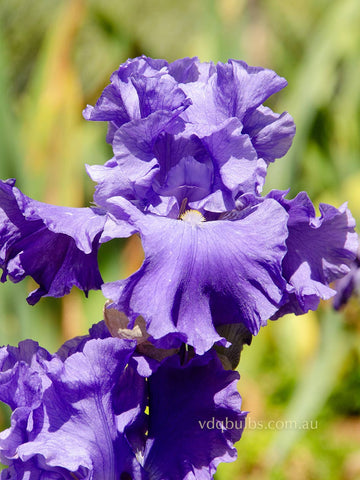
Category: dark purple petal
<point>57,246</point>
<point>195,419</point>
<point>195,276</point>
<point>319,251</point>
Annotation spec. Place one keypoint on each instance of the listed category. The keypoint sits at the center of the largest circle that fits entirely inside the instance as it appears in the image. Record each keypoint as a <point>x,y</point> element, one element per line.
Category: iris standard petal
<point>138,88</point>
<point>147,98</point>
<point>157,170</point>
<point>271,133</point>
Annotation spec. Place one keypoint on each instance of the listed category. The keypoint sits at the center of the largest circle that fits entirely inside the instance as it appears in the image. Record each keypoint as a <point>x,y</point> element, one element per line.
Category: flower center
<point>194,217</point>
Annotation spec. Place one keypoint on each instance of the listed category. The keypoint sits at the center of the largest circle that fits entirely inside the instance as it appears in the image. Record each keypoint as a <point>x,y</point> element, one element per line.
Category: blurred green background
<point>56,56</point>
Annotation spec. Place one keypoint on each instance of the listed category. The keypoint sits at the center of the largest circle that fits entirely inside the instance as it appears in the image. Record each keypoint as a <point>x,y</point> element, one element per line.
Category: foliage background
<point>56,56</point>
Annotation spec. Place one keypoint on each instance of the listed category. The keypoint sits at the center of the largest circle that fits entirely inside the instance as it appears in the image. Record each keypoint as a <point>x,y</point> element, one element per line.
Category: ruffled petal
<point>56,246</point>
<point>188,70</point>
<point>217,106</point>
<point>78,423</point>
<point>253,85</point>
<point>195,419</point>
<point>232,89</point>
<point>21,382</point>
<point>140,87</point>
<point>236,161</point>
<point>197,276</point>
<point>87,403</point>
<point>319,251</point>
<point>271,134</point>
<point>158,171</point>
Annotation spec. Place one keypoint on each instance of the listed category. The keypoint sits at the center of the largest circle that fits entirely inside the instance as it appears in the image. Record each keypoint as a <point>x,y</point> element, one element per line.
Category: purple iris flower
<point>192,142</point>
<point>81,413</point>
<point>191,145</point>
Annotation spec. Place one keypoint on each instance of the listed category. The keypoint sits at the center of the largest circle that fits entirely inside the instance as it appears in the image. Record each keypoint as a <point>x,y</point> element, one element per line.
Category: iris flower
<point>80,414</point>
<point>192,143</point>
